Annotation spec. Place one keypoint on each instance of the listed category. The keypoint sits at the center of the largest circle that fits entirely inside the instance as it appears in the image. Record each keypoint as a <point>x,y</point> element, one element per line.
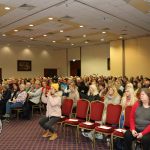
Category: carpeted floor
<point>26,135</point>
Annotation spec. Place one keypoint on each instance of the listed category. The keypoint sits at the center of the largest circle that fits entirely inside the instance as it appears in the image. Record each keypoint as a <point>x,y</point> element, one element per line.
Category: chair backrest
<point>127,116</point>
<point>67,107</point>
<point>82,109</point>
<point>96,110</point>
<point>113,114</point>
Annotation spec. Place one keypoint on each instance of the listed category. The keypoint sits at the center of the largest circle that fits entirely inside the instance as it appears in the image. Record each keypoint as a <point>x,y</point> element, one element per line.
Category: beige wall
<point>116,58</point>
<point>138,56</point>
<point>94,59</point>
<point>41,58</point>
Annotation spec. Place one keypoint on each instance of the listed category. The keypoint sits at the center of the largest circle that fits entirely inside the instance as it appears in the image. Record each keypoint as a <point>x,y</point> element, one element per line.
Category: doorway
<point>50,72</point>
<point>75,68</point>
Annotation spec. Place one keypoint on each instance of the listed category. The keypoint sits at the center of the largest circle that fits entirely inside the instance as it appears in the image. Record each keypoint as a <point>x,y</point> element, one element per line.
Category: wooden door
<point>75,68</point>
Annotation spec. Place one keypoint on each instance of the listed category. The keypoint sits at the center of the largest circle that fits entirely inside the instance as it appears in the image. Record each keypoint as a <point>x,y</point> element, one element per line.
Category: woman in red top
<point>140,122</point>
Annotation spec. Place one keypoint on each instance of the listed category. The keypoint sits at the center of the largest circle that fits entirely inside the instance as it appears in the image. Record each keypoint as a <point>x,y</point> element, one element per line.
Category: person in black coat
<point>5,97</point>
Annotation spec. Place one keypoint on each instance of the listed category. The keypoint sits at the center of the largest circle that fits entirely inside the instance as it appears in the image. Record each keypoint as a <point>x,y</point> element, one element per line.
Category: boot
<point>47,134</point>
<point>53,137</point>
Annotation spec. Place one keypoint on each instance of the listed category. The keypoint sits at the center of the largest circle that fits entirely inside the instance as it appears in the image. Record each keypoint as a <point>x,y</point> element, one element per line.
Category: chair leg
<point>93,143</point>
<point>112,142</point>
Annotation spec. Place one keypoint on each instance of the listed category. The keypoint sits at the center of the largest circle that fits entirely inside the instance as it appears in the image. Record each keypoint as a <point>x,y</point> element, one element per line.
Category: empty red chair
<point>112,120</point>
<point>66,109</point>
<point>95,116</point>
<point>81,114</point>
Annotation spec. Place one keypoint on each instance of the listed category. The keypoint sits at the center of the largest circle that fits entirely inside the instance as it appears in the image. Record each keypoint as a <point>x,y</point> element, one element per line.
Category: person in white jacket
<point>53,112</point>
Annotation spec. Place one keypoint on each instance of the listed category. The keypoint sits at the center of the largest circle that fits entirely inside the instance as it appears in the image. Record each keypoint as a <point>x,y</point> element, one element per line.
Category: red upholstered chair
<point>112,121</point>
<point>119,133</point>
<point>81,114</point>
<point>96,111</point>
<point>66,110</point>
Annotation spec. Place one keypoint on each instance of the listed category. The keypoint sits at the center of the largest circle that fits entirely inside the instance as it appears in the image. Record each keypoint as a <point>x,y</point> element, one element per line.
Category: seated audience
<point>139,122</point>
<point>16,102</point>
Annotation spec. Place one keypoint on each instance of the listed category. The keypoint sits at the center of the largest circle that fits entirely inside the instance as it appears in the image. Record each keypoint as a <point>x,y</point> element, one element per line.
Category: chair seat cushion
<point>73,121</point>
<point>88,125</point>
<point>119,132</point>
<point>104,129</point>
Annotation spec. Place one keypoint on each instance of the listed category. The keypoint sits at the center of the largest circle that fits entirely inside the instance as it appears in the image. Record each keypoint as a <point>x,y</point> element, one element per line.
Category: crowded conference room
<point>74,75</point>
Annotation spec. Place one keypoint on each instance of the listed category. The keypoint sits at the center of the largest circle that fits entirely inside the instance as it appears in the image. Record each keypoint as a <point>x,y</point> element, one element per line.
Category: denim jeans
<point>10,105</point>
<point>48,122</point>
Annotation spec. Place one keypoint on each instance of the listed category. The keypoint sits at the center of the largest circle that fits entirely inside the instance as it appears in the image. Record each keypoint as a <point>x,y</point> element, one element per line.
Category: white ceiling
<point>119,16</point>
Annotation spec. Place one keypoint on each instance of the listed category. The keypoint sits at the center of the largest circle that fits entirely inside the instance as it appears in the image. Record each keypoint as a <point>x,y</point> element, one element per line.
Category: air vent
<point>27,7</point>
<point>67,17</point>
<point>29,29</point>
<point>105,29</point>
<point>50,33</point>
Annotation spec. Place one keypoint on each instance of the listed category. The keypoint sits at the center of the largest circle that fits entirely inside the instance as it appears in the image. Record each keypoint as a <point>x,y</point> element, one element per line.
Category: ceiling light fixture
<point>31,25</point>
<point>86,42</point>
<point>16,30</point>
<point>72,44</point>
<point>50,18</point>
<point>44,35</point>
<point>81,26</point>
<point>67,38</point>
<point>7,8</point>
<point>102,40</point>
<point>104,32</point>
<point>54,41</point>
<point>120,37</point>
<point>84,35</point>
<point>3,34</point>
<point>31,38</point>
<point>61,31</point>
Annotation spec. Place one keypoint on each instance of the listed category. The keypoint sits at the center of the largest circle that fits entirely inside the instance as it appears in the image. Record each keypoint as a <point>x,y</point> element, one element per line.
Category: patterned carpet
<point>26,135</point>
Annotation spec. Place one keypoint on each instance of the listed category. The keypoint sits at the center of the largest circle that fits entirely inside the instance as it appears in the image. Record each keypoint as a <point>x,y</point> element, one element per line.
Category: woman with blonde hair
<point>127,100</point>
<point>73,93</point>
<point>112,97</point>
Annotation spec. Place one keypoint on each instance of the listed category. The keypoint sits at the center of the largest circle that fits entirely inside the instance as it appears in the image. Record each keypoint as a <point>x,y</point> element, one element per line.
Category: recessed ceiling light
<point>73,60</point>
<point>102,39</point>
<point>50,18</point>
<point>67,38</point>
<point>3,34</point>
<point>44,35</point>
<point>86,42</point>
<point>84,35</point>
<point>72,44</point>
<point>16,30</point>
<point>31,38</point>
<point>120,37</point>
<point>61,30</point>
<point>104,32</point>
<point>81,26</point>
<point>7,8</point>
<point>31,25</point>
<point>54,41</point>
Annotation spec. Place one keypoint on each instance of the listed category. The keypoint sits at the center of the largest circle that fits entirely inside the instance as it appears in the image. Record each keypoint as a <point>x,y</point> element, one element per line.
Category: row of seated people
<point>20,95</point>
<point>70,88</point>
